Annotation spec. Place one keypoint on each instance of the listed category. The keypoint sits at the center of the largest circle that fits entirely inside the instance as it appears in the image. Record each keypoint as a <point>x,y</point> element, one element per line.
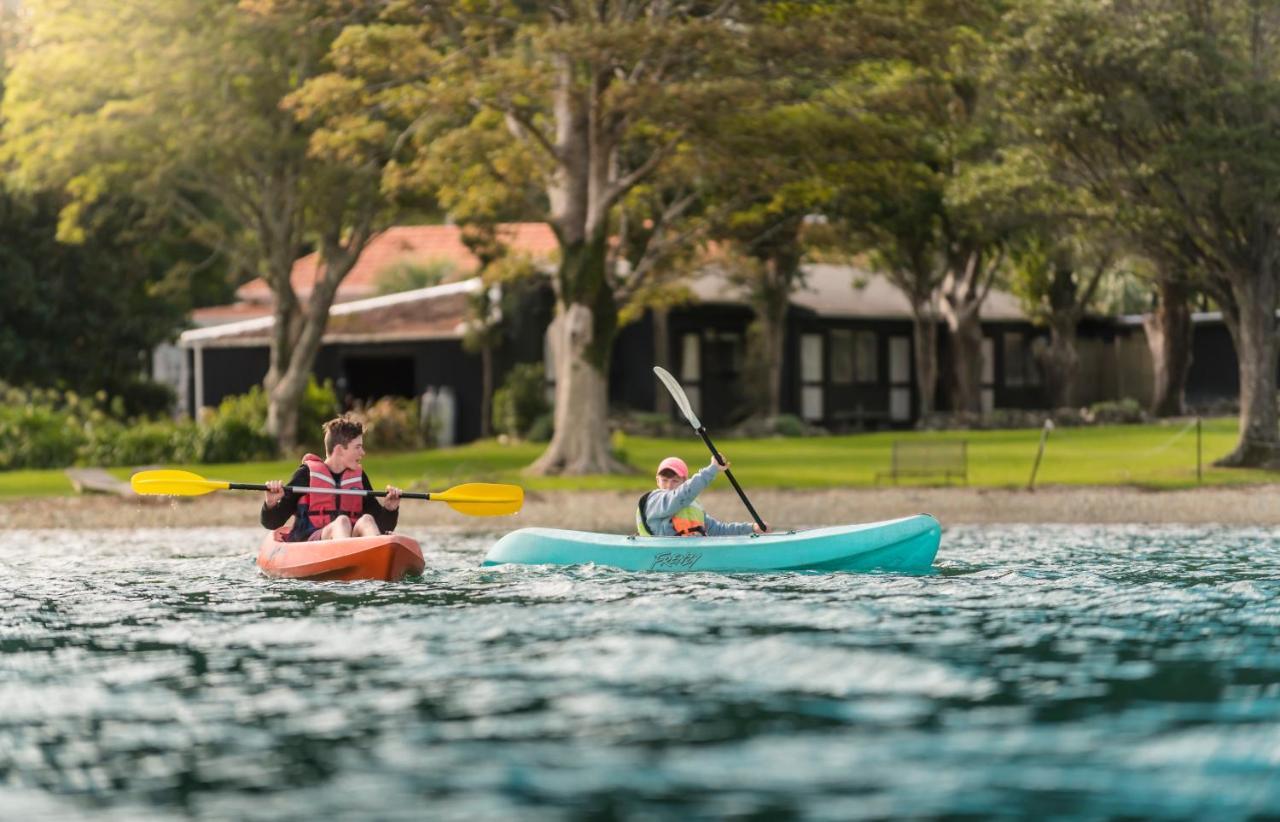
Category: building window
<point>1019,364</point>
<point>811,398</point>
<point>866,360</point>
<point>987,391</point>
<point>853,357</point>
<point>900,378</point>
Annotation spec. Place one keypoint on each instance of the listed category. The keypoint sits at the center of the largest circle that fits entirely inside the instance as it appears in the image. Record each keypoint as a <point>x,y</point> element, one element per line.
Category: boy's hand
<point>275,492</point>
<point>392,498</point>
<point>756,527</point>
<point>722,463</point>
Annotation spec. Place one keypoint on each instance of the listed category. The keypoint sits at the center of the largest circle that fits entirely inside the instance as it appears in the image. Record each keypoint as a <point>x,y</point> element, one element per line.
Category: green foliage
<point>83,316</point>
<point>185,108</point>
<point>37,436</point>
<point>789,425</point>
<point>111,442</point>
<point>230,439</point>
<point>247,412</point>
<point>410,276</point>
<point>520,401</point>
<point>1116,412</point>
<point>144,398</point>
<point>43,428</point>
<point>391,424</point>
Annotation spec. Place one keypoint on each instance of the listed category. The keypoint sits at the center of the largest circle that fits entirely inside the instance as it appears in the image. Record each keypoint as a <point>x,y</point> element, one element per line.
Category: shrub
<point>1117,411</point>
<point>144,398</point>
<point>520,401</point>
<point>391,424</point>
<point>783,425</point>
<point>246,412</point>
<point>141,443</point>
<point>37,436</point>
<point>319,405</point>
<point>789,425</point>
<point>233,440</point>
<point>648,424</point>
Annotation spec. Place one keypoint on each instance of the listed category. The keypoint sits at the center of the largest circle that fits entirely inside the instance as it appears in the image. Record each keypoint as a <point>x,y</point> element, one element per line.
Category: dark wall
<point>400,369</point>
<point>229,371</point>
<point>631,380</point>
<point>527,313</point>
<point>368,371</point>
<point>1215,371</point>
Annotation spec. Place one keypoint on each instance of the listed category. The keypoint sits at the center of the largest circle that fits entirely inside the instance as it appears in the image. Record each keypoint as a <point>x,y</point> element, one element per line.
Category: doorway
<point>369,378</point>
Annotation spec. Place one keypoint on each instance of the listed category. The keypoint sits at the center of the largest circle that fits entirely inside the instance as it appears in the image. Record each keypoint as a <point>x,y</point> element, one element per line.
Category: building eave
<point>242,334</point>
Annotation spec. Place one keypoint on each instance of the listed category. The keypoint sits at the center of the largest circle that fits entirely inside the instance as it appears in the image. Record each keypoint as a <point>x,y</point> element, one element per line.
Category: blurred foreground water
<point>1064,672</point>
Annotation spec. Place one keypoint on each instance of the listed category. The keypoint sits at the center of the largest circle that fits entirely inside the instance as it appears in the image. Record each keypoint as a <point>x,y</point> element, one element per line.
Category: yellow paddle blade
<point>174,483</point>
<point>483,499</point>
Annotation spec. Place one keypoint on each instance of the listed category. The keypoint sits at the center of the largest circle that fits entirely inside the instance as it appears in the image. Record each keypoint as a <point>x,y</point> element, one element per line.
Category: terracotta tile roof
<point>400,244</point>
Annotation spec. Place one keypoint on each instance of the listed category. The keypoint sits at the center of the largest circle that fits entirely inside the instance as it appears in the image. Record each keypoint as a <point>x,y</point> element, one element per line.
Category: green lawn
<point>1155,455</point>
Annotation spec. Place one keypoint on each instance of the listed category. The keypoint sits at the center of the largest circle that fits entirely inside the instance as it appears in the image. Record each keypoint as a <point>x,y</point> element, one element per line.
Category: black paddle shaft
<point>358,492</point>
<point>702,431</point>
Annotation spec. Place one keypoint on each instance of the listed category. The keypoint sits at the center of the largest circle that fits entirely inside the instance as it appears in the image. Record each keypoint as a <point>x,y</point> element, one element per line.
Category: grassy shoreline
<point>1150,456</point>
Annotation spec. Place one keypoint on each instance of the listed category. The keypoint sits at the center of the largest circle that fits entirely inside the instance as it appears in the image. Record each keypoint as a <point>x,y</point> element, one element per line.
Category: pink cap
<point>675,464</point>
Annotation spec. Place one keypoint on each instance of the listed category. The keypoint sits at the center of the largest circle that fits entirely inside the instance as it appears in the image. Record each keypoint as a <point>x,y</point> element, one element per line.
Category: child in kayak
<point>672,509</point>
<point>331,516</point>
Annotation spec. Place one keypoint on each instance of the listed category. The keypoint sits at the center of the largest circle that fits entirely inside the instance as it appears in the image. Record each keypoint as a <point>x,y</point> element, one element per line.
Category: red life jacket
<point>321,508</point>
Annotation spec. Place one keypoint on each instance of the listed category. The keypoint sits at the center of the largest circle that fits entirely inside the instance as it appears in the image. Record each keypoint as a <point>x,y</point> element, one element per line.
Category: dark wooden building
<point>848,354</point>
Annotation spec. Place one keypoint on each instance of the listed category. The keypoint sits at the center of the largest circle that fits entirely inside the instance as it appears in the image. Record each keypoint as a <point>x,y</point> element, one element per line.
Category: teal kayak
<point>908,544</point>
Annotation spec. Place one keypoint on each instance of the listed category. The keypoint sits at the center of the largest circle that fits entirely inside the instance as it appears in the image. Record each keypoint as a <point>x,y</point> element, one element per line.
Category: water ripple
<point>1041,671</point>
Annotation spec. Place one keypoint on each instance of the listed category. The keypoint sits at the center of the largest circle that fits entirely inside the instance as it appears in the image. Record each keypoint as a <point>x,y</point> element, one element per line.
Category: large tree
<point>1170,110</point>
<point>592,99</point>
<point>935,210</point>
<point>1056,271</point>
<point>182,105</point>
<point>83,316</point>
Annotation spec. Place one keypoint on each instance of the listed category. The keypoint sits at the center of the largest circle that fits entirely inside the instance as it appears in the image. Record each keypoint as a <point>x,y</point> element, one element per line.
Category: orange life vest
<point>689,521</point>
<point>320,507</point>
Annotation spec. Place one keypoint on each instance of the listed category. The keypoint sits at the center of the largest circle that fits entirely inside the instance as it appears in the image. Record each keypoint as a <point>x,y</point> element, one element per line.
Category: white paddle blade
<point>677,393</point>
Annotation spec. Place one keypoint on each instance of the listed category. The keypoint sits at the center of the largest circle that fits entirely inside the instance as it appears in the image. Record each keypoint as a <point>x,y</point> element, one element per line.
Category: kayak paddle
<point>479,499</point>
<point>677,393</point>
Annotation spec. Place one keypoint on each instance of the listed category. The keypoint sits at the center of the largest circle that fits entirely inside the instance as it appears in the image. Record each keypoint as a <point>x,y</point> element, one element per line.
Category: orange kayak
<point>388,557</point>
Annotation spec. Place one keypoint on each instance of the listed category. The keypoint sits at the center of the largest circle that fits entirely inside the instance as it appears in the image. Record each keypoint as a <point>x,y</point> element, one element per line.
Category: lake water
<point>1060,672</point>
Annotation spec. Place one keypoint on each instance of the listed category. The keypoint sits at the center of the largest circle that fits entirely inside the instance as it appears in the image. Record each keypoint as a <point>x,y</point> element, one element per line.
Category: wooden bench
<point>929,458</point>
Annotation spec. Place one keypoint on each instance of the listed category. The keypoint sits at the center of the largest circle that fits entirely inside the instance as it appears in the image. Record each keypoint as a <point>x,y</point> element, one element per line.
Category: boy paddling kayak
<point>321,515</point>
<point>672,509</point>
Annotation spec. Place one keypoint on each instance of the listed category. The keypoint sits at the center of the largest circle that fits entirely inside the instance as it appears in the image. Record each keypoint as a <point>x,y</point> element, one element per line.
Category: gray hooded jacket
<point>662,505</point>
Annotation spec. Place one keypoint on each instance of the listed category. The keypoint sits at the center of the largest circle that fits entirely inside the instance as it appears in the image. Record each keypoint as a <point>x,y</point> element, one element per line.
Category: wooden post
<point>1044,435</point>
<point>1199,469</point>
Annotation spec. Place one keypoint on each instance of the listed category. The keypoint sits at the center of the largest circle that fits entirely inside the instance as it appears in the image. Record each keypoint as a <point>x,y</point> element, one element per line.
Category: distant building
<point>848,353</point>
<point>398,344</point>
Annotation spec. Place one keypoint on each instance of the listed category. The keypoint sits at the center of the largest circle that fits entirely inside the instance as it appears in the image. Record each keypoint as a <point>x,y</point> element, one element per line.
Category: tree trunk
<point>283,394</point>
<point>966,361</point>
<point>293,359</point>
<point>1169,334</point>
<point>924,331</point>
<point>662,357</point>
<point>486,390</point>
<point>1061,361</point>
<point>964,289</point>
<point>580,444</point>
<point>1252,323</point>
<point>773,329</point>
